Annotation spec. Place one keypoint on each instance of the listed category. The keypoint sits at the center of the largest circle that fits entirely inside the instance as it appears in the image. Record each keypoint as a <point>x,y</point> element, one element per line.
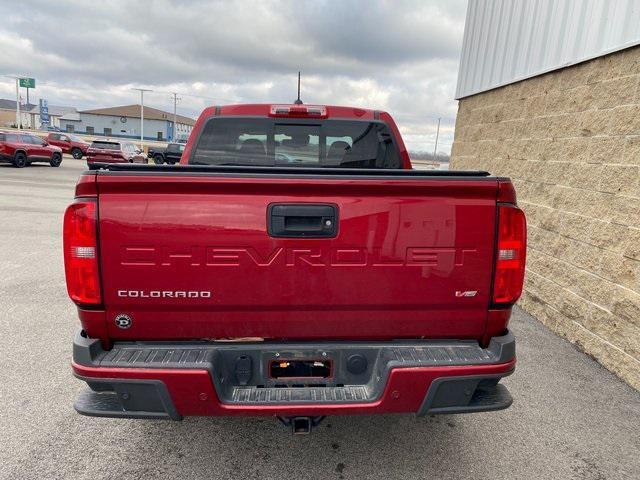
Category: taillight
<point>511,254</point>
<point>118,155</point>
<point>81,252</point>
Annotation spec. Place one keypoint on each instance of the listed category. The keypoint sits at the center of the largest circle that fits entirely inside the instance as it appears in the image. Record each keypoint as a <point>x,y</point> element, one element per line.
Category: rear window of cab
<point>296,143</point>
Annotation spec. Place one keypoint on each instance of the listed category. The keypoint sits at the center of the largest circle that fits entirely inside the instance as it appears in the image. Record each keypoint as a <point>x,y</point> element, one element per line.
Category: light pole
<point>17,79</point>
<point>17,104</point>
<point>435,147</point>
<point>142,90</point>
<point>175,101</point>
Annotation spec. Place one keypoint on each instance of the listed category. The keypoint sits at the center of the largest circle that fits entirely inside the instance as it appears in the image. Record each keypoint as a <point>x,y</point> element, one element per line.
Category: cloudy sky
<point>399,56</point>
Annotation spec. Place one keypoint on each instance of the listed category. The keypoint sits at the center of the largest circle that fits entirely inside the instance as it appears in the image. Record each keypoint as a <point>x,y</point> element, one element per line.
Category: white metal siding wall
<point>131,128</point>
<point>509,40</point>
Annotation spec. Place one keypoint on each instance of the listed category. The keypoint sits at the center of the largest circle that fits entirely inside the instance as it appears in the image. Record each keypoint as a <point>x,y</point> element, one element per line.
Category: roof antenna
<point>298,101</point>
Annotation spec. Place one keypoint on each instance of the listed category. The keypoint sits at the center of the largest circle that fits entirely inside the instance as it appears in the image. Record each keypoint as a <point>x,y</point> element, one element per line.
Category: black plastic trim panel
<point>123,398</point>
<point>466,394</point>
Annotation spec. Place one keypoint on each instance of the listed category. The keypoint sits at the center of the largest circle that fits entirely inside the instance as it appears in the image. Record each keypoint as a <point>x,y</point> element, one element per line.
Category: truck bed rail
<point>306,171</point>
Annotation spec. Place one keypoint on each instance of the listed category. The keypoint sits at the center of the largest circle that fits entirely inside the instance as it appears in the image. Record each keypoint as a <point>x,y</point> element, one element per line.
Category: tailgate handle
<point>302,220</point>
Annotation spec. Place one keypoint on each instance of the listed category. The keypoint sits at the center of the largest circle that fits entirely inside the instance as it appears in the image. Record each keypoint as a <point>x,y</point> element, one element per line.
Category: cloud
<point>401,56</point>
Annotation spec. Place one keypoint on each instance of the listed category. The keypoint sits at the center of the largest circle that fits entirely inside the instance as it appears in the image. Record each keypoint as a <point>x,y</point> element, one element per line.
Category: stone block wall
<point>570,141</point>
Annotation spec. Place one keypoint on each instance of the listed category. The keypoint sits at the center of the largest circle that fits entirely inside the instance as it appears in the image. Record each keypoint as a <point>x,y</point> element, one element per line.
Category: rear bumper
<point>170,381</point>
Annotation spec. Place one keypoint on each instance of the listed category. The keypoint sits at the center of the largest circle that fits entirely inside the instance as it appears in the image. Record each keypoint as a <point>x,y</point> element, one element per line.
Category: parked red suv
<point>113,151</point>
<point>70,144</point>
<point>21,149</point>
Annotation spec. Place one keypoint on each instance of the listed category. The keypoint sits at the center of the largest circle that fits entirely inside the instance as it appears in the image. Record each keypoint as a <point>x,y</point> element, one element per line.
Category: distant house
<point>8,113</point>
<point>55,113</point>
<point>124,121</point>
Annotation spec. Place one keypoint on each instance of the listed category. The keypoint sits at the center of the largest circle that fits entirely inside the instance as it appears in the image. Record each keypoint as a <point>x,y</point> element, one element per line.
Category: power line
<point>103,90</point>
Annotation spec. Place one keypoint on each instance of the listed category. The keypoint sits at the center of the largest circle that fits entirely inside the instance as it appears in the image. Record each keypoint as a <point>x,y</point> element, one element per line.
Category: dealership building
<point>124,121</point>
<point>549,95</point>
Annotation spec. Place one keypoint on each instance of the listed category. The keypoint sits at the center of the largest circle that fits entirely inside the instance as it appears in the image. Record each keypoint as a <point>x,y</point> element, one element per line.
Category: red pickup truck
<point>294,265</point>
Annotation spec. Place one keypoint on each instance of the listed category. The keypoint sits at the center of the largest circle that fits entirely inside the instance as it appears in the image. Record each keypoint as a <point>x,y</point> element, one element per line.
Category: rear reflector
<point>508,254</point>
<point>511,255</point>
<point>83,252</point>
<point>80,258</point>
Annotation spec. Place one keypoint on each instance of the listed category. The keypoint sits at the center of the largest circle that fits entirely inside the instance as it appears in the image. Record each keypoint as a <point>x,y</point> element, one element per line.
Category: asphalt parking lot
<point>571,418</point>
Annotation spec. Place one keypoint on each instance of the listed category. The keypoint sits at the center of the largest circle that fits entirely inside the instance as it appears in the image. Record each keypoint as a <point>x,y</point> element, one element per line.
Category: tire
<point>56,160</point>
<point>20,160</point>
<point>76,153</point>
<point>158,159</point>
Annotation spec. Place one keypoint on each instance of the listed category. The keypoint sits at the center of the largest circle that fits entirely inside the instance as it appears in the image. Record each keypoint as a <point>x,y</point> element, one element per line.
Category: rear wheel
<point>20,160</point>
<point>76,153</point>
<point>158,160</point>
<point>56,160</point>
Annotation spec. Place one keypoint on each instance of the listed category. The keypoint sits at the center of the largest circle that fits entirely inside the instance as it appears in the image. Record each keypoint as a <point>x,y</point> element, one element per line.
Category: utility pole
<point>142,90</point>
<point>175,101</point>
<point>17,79</point>
<point>435,148</point>
<point>17,104</point>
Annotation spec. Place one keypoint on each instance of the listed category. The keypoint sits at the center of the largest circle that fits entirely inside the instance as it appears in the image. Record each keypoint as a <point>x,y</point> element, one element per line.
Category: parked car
<point>69,143</point>
<point>171,154</point>
<point>22,149</point>
<point>294,265</point>
<point>114,151</point>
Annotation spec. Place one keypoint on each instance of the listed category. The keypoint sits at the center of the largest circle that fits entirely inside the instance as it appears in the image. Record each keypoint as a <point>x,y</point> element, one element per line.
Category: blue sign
<point>170,130</point>
<point>44,111</point>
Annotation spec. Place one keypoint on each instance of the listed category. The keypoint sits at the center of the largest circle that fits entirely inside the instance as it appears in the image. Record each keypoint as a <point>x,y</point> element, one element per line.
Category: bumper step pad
<point>240,373</point>
<point>351,393</point>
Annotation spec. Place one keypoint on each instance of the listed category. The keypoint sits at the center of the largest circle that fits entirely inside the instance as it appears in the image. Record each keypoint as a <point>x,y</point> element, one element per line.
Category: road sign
<point>44,111</point>
<point>28,82</point>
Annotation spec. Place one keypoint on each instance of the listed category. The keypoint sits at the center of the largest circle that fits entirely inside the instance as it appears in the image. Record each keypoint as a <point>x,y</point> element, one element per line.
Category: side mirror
<point>45,144</point>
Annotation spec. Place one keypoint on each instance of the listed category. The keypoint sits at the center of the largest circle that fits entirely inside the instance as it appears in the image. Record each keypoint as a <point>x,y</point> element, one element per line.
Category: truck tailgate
<point>188,255</point>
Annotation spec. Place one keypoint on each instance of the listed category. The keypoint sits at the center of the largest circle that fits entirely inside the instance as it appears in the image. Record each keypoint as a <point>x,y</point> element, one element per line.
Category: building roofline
<point>549,70</point>
<point>126,111</point>
<point>508,41</point>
